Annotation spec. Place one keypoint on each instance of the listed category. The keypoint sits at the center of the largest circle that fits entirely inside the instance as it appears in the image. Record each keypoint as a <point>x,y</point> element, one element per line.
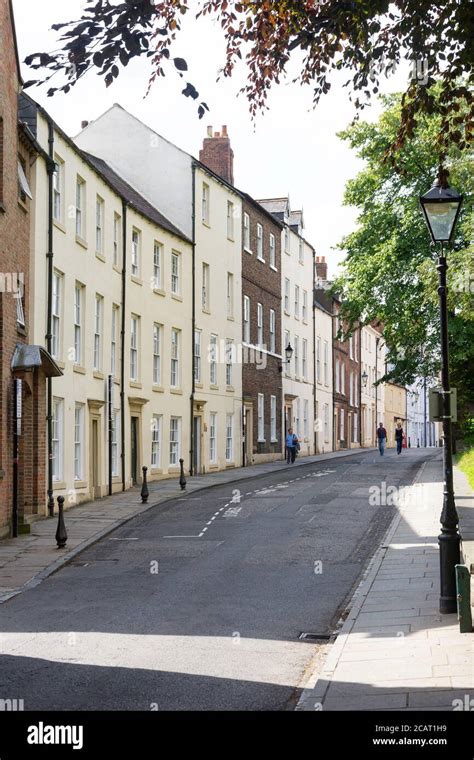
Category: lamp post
<point>441,206</point>
<point>288,354</point>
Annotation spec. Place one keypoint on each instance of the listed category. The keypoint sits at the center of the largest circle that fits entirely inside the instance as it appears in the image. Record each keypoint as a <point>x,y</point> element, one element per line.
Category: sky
<point>290,149</point>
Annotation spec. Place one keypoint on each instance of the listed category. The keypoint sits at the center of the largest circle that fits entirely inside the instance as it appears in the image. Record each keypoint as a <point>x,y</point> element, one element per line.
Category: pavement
<point>29,559</point>
<point>395,651</point>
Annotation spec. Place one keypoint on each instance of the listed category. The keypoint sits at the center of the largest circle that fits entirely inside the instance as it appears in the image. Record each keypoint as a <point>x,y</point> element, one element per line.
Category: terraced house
<point>116,282</point>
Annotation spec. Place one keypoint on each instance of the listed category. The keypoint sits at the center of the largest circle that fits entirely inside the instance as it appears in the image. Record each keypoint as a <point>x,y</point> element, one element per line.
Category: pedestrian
<point>291,445</point>
<point>399,437</point>
<point>382,438</point>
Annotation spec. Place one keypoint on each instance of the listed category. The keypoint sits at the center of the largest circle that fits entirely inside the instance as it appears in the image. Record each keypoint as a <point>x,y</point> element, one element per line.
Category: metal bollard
<point>463,596</point>
<point>61,534</point>
<point>182,479</point>
<point>144,491</point>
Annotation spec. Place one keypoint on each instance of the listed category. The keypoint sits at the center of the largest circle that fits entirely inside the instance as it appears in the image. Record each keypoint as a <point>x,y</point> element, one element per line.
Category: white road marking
<point>182,536</point>
<point>123,539</point>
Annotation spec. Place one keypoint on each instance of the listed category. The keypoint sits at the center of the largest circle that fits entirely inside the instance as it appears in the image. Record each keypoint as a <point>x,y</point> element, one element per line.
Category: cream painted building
<point>372,396</point>
<point>324,375</point>
<point>297,269</point>
<point>209,210</point>
<point>120,323</point>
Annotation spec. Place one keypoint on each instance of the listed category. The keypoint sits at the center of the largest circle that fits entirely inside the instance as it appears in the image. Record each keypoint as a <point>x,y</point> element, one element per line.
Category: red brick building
<point>261,333</point>
<point>346,384</point>
<point>23,367</point>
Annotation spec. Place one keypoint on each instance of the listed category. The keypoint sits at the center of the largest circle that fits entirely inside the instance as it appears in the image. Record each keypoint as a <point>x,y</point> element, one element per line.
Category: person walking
<point>399,437</point>
<point>291,444</point>
<point>382,438</point>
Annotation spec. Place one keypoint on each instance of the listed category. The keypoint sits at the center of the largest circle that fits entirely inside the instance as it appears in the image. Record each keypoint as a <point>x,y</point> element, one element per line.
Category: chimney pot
<point>84,124</point>
<point>224,131</point>
<point>209,131</point>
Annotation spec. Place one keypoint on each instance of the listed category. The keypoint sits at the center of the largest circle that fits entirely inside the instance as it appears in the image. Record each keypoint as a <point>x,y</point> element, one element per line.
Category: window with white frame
<point>351,347</point>
<point>355,425</point>
<point>318,359</point>
<point>273,419</point>
<point>356,390</point>
<point>175,348</point>
<point>229,438</point>
<point>246,320</point>
<point>356,347</point>
<point>197,356</point>
<point>230,220</point>
<point>341,424</point>
<point>326,363</point>
<point>58,181</point>
<point>213,360</point>
<point>305,306</point>
<point>272,251</point>
<point>205,203</point>
<point>79,442</point>
<point>134,338</point>
<point>157,354</point>
<point>337,377</point>
<point>19,295</point>
<point>58,438</point>
<point>343,379</point>
<point>157,265</point>
<point>297,301</point>
<point>213,438</point>
<point>272,331</point>
<point>326,422</point>
<point>99,224</point>
<point>296,356</point>
<point>287,295</point>
<point>98,320</point>
<point>351,388</point>
<point>78,309</point>
<point>229,348</point>
<point>156,441</point>
<point>230,294</point>
<point>115,442</point>
<point>246,232</point>
<point>56,314</point>
<point>206,287</point>
<point>117,238</point>
<point>301,251</point>
<point>175,440</point>
<point>298,417</point>
<point>305,359</point>
<point>80,207</point>
<point>259,325</point>
<point>305,417</point>
<point>260,242</point>
<point>261,417</point>
<point>113,340</point>
<point>136,243</point>
<point>175,273</point>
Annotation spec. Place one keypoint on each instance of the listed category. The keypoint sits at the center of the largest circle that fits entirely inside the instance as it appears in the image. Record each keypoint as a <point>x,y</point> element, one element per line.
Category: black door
<point>134,450</point>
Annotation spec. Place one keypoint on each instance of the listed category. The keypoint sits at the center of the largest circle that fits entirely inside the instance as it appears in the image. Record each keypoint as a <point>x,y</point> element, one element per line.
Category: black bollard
<point>182,479</point>
<point>61,535</point>
<point>144,491</point>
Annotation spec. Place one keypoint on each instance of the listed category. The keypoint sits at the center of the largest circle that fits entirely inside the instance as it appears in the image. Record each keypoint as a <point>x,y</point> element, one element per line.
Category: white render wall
<point>81,384</point>
<point>296,389</point>
<point>157,168</point>
<point>324,379</point>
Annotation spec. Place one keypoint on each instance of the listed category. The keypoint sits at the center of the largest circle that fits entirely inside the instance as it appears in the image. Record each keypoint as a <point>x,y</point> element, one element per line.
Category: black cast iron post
<point>61,534</point>
<point>144,491</point>
<point>182,479</point>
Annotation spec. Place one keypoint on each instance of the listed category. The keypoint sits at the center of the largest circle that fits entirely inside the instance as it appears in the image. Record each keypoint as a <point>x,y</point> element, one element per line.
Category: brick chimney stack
<point>321,268</point>
<point>217,154</point>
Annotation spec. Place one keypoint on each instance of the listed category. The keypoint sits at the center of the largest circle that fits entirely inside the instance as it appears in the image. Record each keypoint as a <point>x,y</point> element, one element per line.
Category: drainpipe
<point>315,433</point>
<point>360,386</point>
<point>193,322</point>
<point>122,341</point>
<point>49,334</point>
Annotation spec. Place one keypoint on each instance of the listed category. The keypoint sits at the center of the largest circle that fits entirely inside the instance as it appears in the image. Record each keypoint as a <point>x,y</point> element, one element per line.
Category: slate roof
<point>132,196</point>
<point>274,205</point>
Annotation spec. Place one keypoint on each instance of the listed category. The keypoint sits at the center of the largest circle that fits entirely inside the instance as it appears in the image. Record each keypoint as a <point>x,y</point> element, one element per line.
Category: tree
<point>390,274</point>
<point>368,38</point>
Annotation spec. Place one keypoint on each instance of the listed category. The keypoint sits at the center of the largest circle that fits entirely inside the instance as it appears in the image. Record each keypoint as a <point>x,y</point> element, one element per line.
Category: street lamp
<point>364,377</point>
<point>441,206</point>
<point>288,354</point>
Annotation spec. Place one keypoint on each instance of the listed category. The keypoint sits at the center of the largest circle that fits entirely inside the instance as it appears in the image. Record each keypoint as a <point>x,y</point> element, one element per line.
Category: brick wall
<point>262,284</point>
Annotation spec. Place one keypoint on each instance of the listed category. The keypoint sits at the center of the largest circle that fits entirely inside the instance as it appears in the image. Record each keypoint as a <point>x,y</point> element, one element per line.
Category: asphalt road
<point>198,604</point>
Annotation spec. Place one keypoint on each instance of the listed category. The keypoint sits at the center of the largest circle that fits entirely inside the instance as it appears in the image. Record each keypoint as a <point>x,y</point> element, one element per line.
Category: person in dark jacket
<point>382,438</point>
<point>399,437</point>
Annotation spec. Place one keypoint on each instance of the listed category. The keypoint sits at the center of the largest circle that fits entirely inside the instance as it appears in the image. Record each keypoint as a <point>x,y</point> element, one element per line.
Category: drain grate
<point>304,636</point>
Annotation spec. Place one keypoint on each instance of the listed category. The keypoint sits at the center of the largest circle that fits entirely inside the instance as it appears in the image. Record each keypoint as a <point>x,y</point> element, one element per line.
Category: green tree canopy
<point>390,273</point>
<point>365,38</point>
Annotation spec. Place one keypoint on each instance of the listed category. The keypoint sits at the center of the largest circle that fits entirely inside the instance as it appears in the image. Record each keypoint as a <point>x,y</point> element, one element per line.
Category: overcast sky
<point>290,149</point>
